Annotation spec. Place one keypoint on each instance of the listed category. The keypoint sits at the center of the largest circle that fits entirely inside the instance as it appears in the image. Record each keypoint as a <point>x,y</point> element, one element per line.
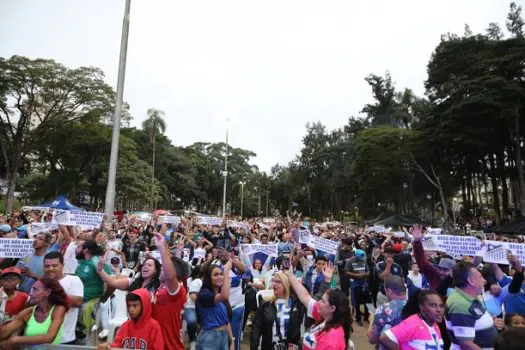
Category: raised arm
<point>299,289</point>
<point>225,290</point>
<point>170,273</point>
<point>116,283</point>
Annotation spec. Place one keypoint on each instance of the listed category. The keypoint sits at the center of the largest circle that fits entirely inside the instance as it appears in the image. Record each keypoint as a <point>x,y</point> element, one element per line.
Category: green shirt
<point>467,318</point>
<point>93,284</point>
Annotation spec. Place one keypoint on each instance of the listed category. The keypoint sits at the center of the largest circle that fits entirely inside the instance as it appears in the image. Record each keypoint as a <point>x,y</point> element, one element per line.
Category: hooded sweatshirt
<point>143,333</point>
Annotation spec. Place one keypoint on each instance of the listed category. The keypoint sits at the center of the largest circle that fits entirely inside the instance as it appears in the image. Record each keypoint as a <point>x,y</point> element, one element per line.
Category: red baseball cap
<point>11,270</point>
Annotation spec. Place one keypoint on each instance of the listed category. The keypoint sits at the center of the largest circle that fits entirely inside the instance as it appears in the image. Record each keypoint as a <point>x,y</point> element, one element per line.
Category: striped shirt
<point>467,319</point>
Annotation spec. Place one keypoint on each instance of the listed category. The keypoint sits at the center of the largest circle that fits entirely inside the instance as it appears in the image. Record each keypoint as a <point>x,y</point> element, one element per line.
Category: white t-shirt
<point>193,287</point>
<point>417,280</point>
<point>72,286</point>
<point>70,258</point>
<point>116,244</point>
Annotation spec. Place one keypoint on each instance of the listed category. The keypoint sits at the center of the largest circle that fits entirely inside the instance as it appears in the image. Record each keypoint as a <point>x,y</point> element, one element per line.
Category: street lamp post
<point>112,173</point>
<point>242,183</point>
<point>225,174</point>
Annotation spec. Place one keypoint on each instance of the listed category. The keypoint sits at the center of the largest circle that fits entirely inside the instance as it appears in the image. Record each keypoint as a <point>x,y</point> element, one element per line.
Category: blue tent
<point>60,202</point>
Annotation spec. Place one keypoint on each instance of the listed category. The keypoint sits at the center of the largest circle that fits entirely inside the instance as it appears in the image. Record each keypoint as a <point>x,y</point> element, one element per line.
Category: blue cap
<point>5,228</point>
<point>360,253</point>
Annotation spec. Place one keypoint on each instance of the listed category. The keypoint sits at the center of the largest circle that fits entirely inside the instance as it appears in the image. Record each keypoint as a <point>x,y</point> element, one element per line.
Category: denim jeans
<point>104,310</point>
<point>237,319</point>
<point>190,316</point>
<point>212,340</point>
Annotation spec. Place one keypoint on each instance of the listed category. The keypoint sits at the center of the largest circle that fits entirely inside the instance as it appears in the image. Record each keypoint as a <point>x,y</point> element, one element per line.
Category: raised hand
<point>328,271</point>
<point>417,232</point>
<point>100,265</point>
<point>160,240</point>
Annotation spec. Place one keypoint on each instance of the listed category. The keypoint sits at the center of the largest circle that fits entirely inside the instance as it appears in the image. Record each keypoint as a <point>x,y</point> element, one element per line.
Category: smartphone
<point>286,263</point>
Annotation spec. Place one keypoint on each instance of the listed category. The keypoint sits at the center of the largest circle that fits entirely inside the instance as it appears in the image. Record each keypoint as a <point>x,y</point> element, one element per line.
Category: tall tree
<point>38,95</point>
<point>154,125</point>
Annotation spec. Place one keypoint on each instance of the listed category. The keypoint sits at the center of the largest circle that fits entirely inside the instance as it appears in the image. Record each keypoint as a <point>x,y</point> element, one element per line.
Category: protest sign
<point>199,254</point>
<point>170,219</point>
<point>435,231</point>
<point>323,244</point>
<point>398,234</point>
<point>62,217</point>
<point>304,236</point>
<point>496,252</point>
<point>268,220</point>
<point>452,245</point>
<point>268,249</point>
<point>86,219</point>
<point>209,220</point>
<point>39,227</point>
<point>15,248</point>
<point>263,226</point>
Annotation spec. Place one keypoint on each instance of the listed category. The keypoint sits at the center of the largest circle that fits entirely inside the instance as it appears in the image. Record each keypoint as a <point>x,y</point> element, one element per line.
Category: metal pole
<point>112,174</point>
<point>225,174</point>
<point>242,199</point>
<point>259,205</point>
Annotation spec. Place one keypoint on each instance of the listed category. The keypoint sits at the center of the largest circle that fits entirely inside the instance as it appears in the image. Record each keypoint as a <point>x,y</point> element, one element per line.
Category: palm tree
<point>154,125</point>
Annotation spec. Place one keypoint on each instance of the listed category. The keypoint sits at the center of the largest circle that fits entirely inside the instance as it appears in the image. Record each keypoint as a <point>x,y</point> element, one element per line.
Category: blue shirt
<point>210,314</point>
<point>36,265</point>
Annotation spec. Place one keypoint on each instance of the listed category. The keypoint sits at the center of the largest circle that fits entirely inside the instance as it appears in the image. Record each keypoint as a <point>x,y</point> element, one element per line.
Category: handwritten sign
<point>323,244</point>
<point>304,236</point>
<point>268,249</point>
<point>15,248</point>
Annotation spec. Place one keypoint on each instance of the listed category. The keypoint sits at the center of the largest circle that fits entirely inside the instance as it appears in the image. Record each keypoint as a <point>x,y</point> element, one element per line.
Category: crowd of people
<point>190,285</point>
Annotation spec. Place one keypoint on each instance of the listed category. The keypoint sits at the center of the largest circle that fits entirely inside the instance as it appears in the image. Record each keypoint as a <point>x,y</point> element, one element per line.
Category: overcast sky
<point>271,66</point>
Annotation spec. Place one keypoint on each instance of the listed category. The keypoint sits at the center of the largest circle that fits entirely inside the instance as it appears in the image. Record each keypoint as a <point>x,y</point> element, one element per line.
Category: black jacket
<point>265,320</point>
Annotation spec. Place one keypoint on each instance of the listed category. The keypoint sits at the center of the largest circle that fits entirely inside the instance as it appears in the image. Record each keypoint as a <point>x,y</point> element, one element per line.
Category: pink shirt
<point>414,334</point>
<point>315,338</point>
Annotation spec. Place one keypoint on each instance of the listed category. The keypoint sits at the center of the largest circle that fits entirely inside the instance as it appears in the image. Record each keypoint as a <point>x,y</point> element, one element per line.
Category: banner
<point>268,249</point>
<point>268,220</point>
<point>263,226</point>
<point>15,248</point>
<point>398,234</point>
<point>453,245</point>
<point>170,219</point>
<point>209,220</point>
<point>86,219</point>
<point>323,244</point>
<point>39,227</point>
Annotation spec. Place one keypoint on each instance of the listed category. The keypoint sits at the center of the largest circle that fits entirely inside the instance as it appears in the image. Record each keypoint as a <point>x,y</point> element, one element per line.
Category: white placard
<point>452,245</point>
<point>87,219</point>
<point>268,220</point>
<point>15,248</point>
<point>199,254</point>
<point>170,219</point>
<point>62,217</point>
<point>263,226</point>
<point>323,244</point>
<point>209,220</point>
<point>268,249</point>
<point>435,231</point>
<point>304,236</point>
<point>39,227</point>
<point>398,234</point>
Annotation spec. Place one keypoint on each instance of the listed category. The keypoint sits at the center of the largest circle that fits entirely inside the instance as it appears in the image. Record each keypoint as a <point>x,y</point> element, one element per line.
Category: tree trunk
<point>504,187</point>
<point>10,200</point>
<point>519,163</point>
<point>495,194</point>
<point>153,176</point>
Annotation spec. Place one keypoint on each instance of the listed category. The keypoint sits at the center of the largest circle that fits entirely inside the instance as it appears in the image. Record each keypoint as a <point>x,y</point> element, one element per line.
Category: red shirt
<point>15,305</point>
<point>167,310</point>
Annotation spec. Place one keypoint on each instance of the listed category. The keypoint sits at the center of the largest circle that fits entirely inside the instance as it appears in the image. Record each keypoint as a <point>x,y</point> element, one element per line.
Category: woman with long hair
<point>278,320</point>
<point>420,326</point>
<point>213,309</point>
<point>42,323</point>
<point>332,315</point>
<point>149,277</point>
